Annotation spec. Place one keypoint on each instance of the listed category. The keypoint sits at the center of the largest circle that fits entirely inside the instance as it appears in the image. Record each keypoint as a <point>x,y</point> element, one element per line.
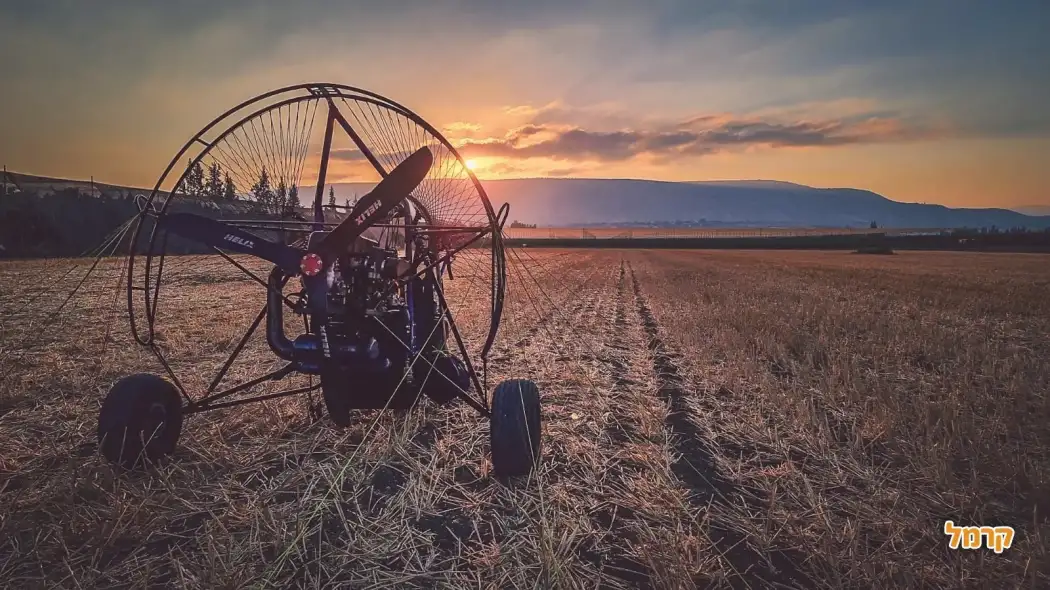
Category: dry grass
<point>869,399</point>
<point>731,419</point>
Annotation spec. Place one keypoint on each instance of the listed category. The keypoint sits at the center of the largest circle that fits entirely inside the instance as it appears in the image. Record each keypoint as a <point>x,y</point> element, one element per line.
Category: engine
<point>365,326</point>
<point>367,312</point>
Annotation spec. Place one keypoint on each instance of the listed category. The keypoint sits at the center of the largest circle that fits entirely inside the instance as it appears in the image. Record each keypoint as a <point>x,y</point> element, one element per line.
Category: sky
<point>923,101</point>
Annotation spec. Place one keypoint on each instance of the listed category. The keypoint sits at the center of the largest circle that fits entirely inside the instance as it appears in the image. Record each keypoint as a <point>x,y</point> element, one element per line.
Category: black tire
<point>140,420</point>
<point>515,428</point>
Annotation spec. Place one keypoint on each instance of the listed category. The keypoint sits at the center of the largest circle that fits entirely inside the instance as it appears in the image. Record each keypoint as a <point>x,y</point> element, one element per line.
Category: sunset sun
<point>470,164</point>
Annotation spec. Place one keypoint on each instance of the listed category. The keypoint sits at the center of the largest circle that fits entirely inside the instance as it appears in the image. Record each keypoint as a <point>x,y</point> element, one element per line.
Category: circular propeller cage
<point>261,167</point>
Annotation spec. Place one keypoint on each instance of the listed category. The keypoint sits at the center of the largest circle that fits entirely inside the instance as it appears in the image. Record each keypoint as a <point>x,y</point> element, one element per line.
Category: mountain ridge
<point>591,201</point>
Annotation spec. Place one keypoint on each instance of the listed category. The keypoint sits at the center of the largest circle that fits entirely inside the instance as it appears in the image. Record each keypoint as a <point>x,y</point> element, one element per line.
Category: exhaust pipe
<point>279,343</point>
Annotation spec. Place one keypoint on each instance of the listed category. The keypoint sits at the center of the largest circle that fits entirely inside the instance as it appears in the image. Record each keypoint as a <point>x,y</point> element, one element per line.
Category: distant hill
<point>748,203</point>
<point>1033,209</point>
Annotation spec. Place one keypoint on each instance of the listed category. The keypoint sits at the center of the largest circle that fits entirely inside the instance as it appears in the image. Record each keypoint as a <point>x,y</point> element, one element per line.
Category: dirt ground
<point>738,419</point>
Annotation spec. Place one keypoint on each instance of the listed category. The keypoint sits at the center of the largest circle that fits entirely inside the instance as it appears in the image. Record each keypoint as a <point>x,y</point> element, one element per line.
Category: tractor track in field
<point>619,429</point>
<point>697,470</point>
<point>610,514</point>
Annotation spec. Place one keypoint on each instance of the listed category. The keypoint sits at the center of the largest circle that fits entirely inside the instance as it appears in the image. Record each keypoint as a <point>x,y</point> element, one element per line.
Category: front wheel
<point>514,429</point>
<point>140,420</point>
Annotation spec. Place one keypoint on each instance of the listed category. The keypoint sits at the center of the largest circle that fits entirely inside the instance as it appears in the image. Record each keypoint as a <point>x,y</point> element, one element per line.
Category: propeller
<point>213,232</point>
<point>383,199</point>
<point>386,196</point>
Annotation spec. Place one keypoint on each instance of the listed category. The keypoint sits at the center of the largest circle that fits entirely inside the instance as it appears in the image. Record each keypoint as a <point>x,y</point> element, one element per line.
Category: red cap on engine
<point>311,264</point>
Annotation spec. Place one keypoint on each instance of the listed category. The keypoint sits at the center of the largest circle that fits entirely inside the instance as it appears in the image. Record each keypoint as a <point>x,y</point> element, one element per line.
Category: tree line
<point>281,199</point>
<point>213,184</point>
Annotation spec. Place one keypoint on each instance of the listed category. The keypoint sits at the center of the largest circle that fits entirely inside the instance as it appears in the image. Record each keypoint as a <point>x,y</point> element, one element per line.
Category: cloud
<point>695,136</point>
<point>347,155</point>
<point>461,129</point>
<point>604,114</point>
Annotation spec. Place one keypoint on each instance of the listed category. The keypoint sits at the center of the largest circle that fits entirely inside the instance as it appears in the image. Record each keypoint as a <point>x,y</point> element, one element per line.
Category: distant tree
<point>214,188</point>
<point>229,190</point>
<point>193,182</point>
<point>292,202</point>
<point>280,201</point>
<point>331,197</point>
<point>346,203</point>
<point>874,225</point>
<point>262,193</point>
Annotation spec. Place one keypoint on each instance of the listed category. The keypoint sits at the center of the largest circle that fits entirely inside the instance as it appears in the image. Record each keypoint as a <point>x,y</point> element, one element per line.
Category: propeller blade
<point>390,191</point>
<point>212,232</point>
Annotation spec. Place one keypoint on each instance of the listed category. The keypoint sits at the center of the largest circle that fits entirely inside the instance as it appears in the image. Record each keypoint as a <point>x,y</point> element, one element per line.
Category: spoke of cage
<point>253,276</point>
<point>459,340</point>
<point>112,248</point>
<point>367,121</point>
<point>544,317</point>
<point>237,350</point>
<point>275,375</point>
<point>447,256</point>
<point>113,238</point>
<point>567,288</point>
<point>272,145</point>
<point>256,144</point>
<point>554,341</point>
<point>361,146</point>
<point>367,129</point>
<point>248,170</point>
<point>155,349</point>
<point>114,306</point>
<point>254,399</point>
<point>555,307</point>
<point>304,142</point>
<point>462,393</point>
<point>246,149</point>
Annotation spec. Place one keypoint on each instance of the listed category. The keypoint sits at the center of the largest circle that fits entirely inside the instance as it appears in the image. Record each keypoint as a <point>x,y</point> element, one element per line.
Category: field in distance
<point>694,232</point>
<point>712,418</point>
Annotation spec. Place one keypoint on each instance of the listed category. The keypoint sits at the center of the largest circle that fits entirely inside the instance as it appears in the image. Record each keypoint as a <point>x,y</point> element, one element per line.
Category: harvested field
<point>712,419</point>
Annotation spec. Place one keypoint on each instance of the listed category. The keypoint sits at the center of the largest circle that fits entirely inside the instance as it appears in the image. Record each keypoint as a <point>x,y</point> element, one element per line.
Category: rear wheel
<point>140,420</point>
<point>514,429</point>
